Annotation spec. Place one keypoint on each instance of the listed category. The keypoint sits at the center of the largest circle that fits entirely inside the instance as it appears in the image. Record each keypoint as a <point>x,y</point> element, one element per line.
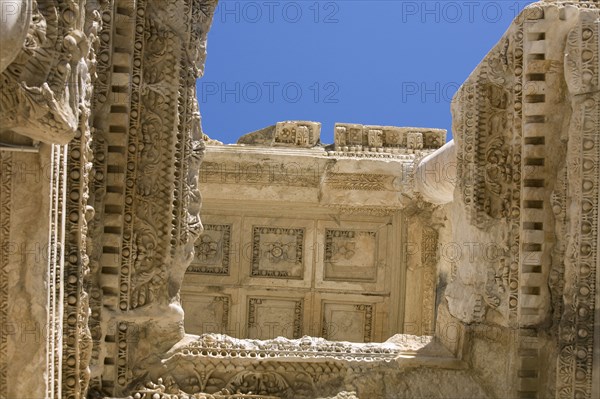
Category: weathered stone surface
<point>24,236</point>
<point>328,227</point>
<point>15,21</point>
<point>100,221</point>
<point>525,122</point>
<point>90,80</point>
<point>435,175</point>
<point>285,134</point>
<point>354,137</point>
<point>148,149</point>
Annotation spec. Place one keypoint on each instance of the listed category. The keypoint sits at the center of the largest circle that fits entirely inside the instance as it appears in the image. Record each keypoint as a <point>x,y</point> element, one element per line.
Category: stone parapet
<point>370,138</point>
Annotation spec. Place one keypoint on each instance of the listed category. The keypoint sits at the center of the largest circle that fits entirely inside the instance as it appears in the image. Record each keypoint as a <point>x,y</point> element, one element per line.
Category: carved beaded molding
<point>5,204</point>
<point>109,86</point>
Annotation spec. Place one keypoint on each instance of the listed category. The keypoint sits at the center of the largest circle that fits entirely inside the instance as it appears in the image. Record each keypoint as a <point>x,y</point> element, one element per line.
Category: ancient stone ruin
<point>389,264</point>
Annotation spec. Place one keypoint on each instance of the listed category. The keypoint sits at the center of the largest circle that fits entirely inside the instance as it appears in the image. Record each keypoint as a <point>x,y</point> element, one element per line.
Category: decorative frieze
<point>260,174</point>
<point>148,147</point>
<point>222,346</point>
<point>369,211</point>
<point>359,181</point>
<point>110,87</point>
<point>353,137</point>
<point>578,337</point>
<point>5,207</point>
<point>301,368</point>
<point>299,134</point>
<point>429,260</point>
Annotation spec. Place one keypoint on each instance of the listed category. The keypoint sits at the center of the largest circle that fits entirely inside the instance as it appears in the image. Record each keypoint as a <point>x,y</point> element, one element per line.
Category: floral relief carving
<point>277,252</point>
<point>109,88</point>
<point>212,251</point>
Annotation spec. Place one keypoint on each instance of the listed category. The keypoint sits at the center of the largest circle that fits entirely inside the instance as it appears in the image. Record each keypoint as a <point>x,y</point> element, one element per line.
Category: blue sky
<point>391,62</point>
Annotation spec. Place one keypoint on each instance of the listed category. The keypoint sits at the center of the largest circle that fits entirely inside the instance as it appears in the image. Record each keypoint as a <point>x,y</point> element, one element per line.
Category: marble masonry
<point>307,240</point>
<point>389,264</point>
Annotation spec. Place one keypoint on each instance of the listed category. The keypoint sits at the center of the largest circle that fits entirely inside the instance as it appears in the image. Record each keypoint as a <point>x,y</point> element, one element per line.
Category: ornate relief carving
<point>300,134</point>
<point>488,172</point>
<point>262,383</point>
<point>514,259</point>
<point>170,390</point>
<point>527,184</point>
<point>577,335</point>
<point>581,64</point>
<point>147,273</point>
<point>219,365</point>
<point>303,134</point>
<point>371,211</point>
<point>367,182</point>
<point>147,153</point>
<point>43,89</point>
<point>306,367</point>
<point>352,138</point>
<point>5,207</point>
<point>277,252</point>
<point>212,251</point>
<point>375,138</point>
<point>222,346</point>
<point>429,255</point>
<point>414,141</point>
<point>259,174</point>
<point>557,275</point>
<point>391,153</point>
<point>490,122</point>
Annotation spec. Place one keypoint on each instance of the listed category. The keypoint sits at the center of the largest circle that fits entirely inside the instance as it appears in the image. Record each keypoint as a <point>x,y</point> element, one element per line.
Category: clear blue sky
<point>391,62</point>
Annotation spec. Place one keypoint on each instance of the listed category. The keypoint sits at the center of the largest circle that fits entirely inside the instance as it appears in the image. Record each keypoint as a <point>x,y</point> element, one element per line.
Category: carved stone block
<point>206,313</point>
<point>212,251</point>
<point>395,137</point>
<point>268,318</point>
<point>385,139</point>
<point>434,138</point>
<point>347,322</point>
<point>375,138</point>
<point>277,252</point>
<point>350,255</point>
<point>414,141</point>
<point>299,134</point>
<point>353,256</point>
